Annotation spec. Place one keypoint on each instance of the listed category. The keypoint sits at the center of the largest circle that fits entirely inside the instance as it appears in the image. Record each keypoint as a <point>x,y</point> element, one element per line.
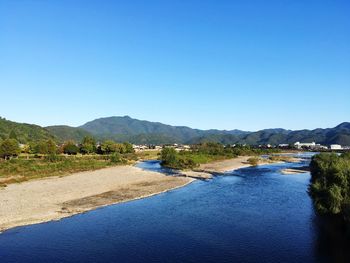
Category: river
<point>253,214</point>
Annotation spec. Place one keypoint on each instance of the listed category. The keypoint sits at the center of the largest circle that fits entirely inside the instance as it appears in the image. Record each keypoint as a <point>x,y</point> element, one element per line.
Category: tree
<point>9,148</point>
<point>330,182</point>
<point>128,147</point>
<point>168,156</point>
<point>51,146</point>
<point>70,148</point>
<point>13,135</point>
<point>41,147</point>
<point>120,148</point>
<point>108,147</point>
<point>115,158</point>
<point>88,145</point>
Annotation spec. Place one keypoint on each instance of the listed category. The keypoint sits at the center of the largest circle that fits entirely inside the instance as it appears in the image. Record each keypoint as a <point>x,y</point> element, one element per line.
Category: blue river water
<point>253,214</point>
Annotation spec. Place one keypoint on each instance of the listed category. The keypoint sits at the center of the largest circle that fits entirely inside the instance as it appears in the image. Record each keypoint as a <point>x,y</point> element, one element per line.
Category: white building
<point>300,145</point>
<point>336,147</point>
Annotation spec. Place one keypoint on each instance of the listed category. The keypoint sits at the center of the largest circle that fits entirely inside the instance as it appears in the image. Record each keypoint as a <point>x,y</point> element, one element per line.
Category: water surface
<point>250,215</point>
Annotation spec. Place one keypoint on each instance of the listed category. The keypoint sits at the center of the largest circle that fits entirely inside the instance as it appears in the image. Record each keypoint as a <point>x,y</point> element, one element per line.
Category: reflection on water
<point>332,243</point>
<point>250,215</point>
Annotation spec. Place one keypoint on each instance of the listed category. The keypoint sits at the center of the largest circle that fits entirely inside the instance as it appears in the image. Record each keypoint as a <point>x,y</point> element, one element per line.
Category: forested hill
<point>22,132</point>
<point>137,131</point>
<point>146,132</point>
<point>337,135</point>
<point>64,133</point>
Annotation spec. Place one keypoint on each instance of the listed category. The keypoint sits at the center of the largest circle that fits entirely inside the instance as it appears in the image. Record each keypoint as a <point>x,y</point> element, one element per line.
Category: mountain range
<point>146,132</point>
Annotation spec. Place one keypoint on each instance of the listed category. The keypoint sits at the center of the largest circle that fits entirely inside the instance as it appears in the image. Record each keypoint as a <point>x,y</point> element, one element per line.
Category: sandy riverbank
<point>228,165</point>
<point>55,198</point>
<point>295,170</point>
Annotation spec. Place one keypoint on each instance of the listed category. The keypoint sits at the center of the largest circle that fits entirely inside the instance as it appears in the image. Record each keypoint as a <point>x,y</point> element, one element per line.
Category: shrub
<point>254,161</point>
<point>115,158</point>
<point>88,145</point>
<point>70,148</point>
<point>108,147</point>
<point>169,156</point>
<point>330,184</point>
<point>9,148</point>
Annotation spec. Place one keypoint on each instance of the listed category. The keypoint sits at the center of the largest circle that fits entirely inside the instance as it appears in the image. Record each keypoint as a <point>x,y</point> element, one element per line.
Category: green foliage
<point>330,183</point>
<point>128,147</point>
<point>43,147</point>
<point>65,133</point>
<point>23,132</point>
<point>51,165</point>
<point>88,145</point>
<point>70,148</point>
<point>124,129</point>
<point>115,158</point>
<point>254,161</point>
<point>168,156</point>
<point>9,148</point>
<point>51,146</point>
<point>204,153</point>
<point>13,135</point>
<point>53,157</point>
<point>108,147</point>
<point>171,158</point>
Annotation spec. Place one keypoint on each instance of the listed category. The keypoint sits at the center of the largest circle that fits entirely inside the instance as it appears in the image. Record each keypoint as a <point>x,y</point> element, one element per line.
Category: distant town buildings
<point>177,147</point>
<point>300,145</point>
<point>311,145</point>
<point>336,147</point>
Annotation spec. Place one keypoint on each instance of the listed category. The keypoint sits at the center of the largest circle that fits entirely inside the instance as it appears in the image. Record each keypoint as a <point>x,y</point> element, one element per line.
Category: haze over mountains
<point>146,132</point>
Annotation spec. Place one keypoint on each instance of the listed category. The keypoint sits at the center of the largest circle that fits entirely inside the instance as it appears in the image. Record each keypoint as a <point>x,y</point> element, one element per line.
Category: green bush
<point>254,161</point>
<point>88,145</point>
<point>9,148</point>
<point>330,184</point>
<point>115,158</point>
<point>70,148</point>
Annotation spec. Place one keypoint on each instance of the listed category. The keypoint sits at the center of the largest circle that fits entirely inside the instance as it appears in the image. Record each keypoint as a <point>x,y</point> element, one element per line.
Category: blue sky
<point>205,64</point>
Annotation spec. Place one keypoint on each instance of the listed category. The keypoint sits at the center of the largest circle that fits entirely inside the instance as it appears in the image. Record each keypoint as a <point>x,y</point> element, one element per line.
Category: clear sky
<point>205,64</point>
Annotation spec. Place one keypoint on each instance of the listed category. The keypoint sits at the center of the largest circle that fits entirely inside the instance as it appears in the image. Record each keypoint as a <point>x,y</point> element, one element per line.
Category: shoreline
<point>54,198</point>
<point>227,165</point>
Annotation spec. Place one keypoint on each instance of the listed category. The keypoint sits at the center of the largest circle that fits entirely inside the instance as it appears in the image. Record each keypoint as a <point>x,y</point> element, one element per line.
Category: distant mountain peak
<point>125,128</point>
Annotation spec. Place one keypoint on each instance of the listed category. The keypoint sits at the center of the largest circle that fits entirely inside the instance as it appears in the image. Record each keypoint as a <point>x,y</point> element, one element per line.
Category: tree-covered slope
<point>23,132</point>
<point>146,132</point>
<point>65,133</point>
<point>111,126</point>
<point>137,131</point>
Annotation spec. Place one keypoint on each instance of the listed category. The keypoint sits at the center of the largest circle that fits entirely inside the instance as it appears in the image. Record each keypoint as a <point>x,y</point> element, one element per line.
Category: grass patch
<point>23,169</point>
<point>148,154</point>
<point>254,161</point>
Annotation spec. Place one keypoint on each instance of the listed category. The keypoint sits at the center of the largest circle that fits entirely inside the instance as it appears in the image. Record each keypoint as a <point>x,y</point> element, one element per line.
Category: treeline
<point>11,148</point>
<point>330,184</point>
<point>207,152</point>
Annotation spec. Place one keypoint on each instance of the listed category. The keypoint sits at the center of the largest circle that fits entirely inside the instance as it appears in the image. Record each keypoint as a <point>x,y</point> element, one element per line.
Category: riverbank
<point>205,171</point>
<point>54,198</point>
<point>232,164</point>
<point>298,170</point>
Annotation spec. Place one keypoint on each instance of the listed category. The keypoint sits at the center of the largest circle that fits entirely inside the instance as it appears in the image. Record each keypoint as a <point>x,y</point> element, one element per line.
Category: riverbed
<point>254,214</point>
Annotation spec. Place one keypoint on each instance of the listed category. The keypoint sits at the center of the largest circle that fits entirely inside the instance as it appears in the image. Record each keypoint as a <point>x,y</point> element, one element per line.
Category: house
<point>312,145</point>
<point>336,147</point>
<point>300,145</point>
